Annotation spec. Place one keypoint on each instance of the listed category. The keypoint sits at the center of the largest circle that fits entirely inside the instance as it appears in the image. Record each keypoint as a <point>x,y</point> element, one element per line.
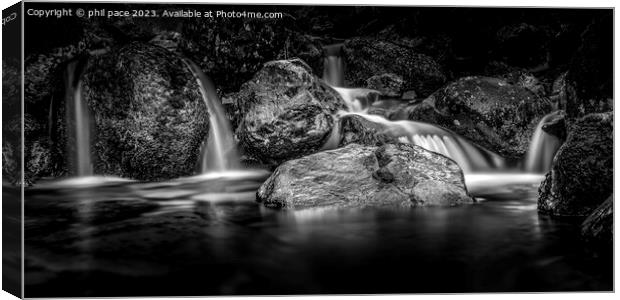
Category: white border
<point>499,3</point>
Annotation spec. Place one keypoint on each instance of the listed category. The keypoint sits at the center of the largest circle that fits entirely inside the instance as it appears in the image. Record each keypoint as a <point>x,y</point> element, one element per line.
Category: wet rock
<point>556,125</point>
<point>357,130</point>
<point>581,176</point>
<point>366,57</point>
<point>488,111</point>
<point>286,112</point>
<point>148,114</point>
<point>366,176</point>
<point>409,95</point>
<point>389,85</point>
<point>599,226</point>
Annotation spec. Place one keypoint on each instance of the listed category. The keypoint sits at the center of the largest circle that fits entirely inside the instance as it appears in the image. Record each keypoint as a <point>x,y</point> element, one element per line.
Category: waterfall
<point>542,148</point>
<point>469,157</point>
<point>220,153</point>
<point>77,113</point>
<point>333,66</point>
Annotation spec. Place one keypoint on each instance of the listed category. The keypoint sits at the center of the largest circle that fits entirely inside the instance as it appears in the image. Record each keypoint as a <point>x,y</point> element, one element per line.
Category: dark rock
<point>488,111</point>
<point>589,81</point>
<point>363,176</point>
<point>599,226</point>
<point>409,95</point>
<point>357,130</point>
<point>556,125</point>
<point>581,176</point>
<point>389,85</point>
<point>149,117</point>
<point>369,57</point>
<point>233,50</point>
<point>11,122</point>
<point>286,112</point>
<point>523,45</point>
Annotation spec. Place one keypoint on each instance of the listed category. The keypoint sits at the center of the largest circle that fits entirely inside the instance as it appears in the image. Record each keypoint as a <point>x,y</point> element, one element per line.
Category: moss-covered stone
<point>148,114</point>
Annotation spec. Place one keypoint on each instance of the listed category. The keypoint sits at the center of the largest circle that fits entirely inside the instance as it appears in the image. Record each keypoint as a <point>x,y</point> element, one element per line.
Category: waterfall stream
<point>472,158</point>
<point>77,113</point>
<point>220,153</point>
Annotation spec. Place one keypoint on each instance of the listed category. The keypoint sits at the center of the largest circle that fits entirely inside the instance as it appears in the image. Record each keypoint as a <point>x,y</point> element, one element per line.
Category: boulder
<point>365,57</point>
<point>581,176</point>
<point>147,111</point>
<point>286,112</point>
<point>599,226</point>
<point>358,176</point>
<point>488,111</point>
<point>389,85</point>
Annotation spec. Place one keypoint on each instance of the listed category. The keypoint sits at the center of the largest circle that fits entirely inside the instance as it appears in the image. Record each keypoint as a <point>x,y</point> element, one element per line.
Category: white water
<point>470,157</point>
<point>542,148</point>
<point>220,153</point>
<point>333,66</point>
<point>77,111</point>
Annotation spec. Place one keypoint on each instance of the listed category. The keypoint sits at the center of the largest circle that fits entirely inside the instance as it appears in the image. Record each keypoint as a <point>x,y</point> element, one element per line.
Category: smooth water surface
<point>207,236</point>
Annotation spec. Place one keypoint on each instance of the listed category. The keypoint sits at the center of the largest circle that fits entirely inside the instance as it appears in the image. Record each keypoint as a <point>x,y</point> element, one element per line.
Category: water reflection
<point>210,237</point>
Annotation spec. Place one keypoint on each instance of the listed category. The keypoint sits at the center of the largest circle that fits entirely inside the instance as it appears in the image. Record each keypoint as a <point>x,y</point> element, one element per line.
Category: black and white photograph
<point>214,149</point>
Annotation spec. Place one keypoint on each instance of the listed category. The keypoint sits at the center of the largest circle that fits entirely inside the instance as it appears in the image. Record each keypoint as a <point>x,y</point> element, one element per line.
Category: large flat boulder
<point>360,176</point>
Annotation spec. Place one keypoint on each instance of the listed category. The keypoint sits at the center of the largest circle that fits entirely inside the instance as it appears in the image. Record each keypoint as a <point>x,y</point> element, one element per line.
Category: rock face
<point>389,85</point>
<point>581,176</point>
<point>357,130</point>
<point>286,112</point>
<point>365,58</point>
<point>149,116</point>
<point>366,176</point>
<point>599,226</point>
<point>488,111</point>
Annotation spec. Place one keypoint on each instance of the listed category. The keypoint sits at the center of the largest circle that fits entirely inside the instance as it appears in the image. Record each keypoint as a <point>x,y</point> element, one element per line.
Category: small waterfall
<point>357,100</point>
<point>220,153</point>
<point>471,158</point>
<point>78,113</point>
<point>333,66</point>
<point>542,148</point>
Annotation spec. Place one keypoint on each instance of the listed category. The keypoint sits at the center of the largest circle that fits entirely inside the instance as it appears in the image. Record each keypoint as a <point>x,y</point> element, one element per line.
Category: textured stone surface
<point>285,112</point>
<point>599,226</point>
<point>490,112</point>
<point>581,176</point>
<point>149,116</point>
<point>367,57</point>
<point>362,176</point>
<point>388,84</point>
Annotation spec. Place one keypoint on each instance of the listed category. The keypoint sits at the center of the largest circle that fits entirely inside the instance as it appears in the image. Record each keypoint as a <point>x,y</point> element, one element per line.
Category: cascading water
<point>220,153</point>
<point>333,69</point>
<point>77,112</point>
<point>472,158</point>
<point>542,148</point>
